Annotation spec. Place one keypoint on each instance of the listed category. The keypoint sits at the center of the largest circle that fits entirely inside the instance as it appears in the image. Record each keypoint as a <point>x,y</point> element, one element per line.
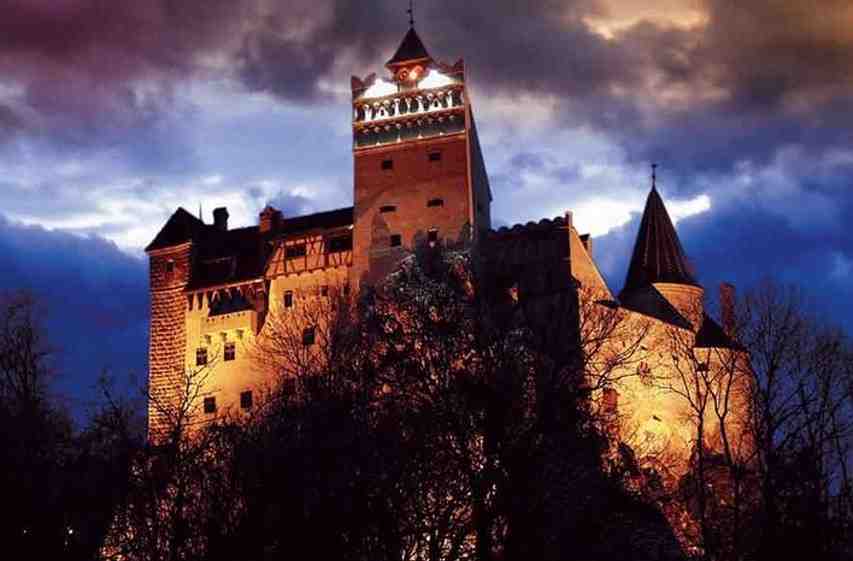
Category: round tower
<point>660,280</point>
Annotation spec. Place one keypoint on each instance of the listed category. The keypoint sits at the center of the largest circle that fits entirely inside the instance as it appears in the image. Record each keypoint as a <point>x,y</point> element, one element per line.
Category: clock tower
<point>419,175</point>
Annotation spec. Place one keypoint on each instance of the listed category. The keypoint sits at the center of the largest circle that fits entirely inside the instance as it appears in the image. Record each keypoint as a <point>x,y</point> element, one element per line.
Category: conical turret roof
<point>411,49</point>
<point>658,255</point>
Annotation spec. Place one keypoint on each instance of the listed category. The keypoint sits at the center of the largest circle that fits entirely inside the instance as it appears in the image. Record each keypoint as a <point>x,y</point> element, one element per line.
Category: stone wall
<point>169,271</point>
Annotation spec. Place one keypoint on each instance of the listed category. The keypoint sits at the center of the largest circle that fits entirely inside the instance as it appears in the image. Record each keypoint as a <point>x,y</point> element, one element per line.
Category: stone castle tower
<point>418,169</point>
<point>419,177</point>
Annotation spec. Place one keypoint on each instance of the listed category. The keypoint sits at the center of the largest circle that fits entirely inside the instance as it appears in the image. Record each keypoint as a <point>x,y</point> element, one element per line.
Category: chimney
<point>220,219</point>
<point>727,307</point>
<point>269,219</point>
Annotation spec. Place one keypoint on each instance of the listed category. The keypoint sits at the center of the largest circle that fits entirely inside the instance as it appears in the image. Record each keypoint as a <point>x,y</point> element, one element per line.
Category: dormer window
<point>387,165</point>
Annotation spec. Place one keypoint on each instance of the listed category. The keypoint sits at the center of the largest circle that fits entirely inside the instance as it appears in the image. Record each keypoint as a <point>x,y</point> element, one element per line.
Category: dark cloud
<point>95,300</point>
<point>755,76</point>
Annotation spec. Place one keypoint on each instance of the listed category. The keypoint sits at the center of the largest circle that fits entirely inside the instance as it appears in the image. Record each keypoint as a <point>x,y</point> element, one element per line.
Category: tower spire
<point>654,176</point>
<point>658,255</point>
<point>411,12</point>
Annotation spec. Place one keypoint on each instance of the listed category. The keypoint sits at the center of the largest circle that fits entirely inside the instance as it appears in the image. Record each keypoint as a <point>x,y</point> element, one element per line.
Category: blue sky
<point>113,114</point>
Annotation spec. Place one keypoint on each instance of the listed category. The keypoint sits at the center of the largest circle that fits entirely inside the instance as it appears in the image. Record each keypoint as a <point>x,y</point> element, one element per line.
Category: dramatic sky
<point>115,112</point>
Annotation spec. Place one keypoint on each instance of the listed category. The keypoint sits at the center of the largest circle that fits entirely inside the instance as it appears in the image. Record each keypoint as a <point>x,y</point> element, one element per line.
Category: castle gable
<point>180,228</point>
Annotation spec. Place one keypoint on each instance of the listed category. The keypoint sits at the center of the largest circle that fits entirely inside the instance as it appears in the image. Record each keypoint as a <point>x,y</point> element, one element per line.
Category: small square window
<point>324,290</point>
<point>210,405</point>
<point>200,356</point>
<point>246,400</point>
<point>346,289</point>
<point>170,266</point>
<point>387,164</point>
<point>340,243</point>
<point>435,203</point>
<point>435,156</point>
<point>308,336</point>
<point>288,299</point>
<point>298,250</point>
<point>432,236</point>
<point>387,208</point>
<point>396,240</point>
<point>230,351</point>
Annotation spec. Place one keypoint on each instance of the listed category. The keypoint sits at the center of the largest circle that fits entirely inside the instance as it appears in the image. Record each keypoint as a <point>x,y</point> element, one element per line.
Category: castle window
<point>308,336</point>
<point>435,203</point>
<point>246,400</point>
<point>324,290</point>
<point>396,240</point>
<point>200,356</point>
<point>288,299</point>
<point>298,250</point>
<point>340,244</point>
<point>702,367</point>
<point>435,156</point>
<point>387,208</point>
<point>230,351</point>
<point>432,236</point>
<point>170,266</point>
<point>346,289</point>
<point>210,405</point>
<point>387,164</point>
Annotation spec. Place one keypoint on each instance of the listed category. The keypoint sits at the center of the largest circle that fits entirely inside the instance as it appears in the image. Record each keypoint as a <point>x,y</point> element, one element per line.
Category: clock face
<point>410,74</point>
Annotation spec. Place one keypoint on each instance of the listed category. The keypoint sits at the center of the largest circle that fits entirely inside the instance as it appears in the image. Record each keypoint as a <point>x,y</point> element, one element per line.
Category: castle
<point>419,177</point>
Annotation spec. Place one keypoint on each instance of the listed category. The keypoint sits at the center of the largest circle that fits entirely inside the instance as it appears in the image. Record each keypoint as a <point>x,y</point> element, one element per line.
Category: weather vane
<point>654,176</point>
<point>411,12</point>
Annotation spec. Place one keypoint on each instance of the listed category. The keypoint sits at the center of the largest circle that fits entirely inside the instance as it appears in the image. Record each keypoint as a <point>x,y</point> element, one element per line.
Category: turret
<point>660,280</point>
<point>170,269</point>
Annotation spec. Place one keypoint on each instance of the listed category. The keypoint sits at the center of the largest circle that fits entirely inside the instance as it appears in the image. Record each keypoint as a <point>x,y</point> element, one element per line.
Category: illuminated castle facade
<point>419,177</point>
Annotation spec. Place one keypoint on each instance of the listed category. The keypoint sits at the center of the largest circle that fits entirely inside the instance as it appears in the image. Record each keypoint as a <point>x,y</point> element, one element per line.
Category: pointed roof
<point>181,227</point>
<point>411,49</point>
<point>658,255</point>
